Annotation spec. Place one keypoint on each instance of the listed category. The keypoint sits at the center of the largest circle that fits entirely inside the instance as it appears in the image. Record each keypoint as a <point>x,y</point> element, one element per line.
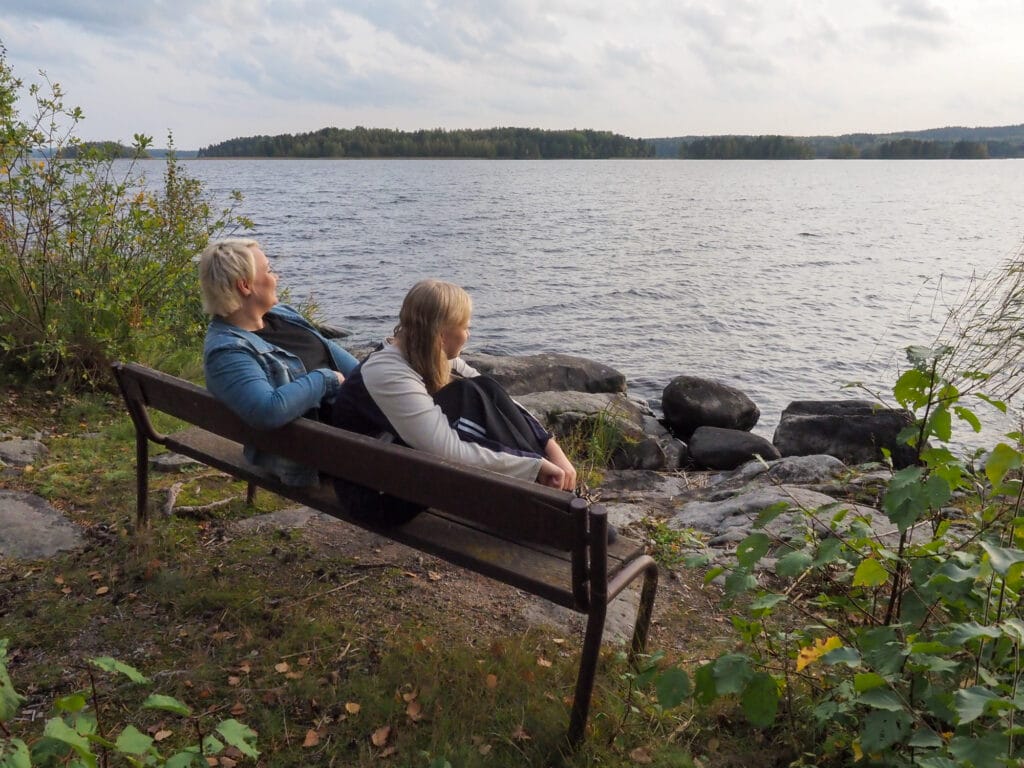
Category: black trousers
<point>480,411</point>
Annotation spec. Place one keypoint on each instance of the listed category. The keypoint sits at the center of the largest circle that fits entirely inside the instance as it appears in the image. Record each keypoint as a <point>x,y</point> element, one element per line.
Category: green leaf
<point>704,688</point>
<point>940,424</point>
<point>752,549</point>
<point>970,703</point>
<point>167,703</point>
<point>1001,460</point>
<point>132,741</point>
<point>966,414</point>
<point>732,672</point>
<point>924,738</point>
<point>912,388</point>
<point>999,405</point>
<point>738,582</point>
<point>76,702</point>
<point>1014,628</point>
<point>760,700</point>
<point>881,698</point>
<point>240,736</point>
<point>673,687</point>
<point>882,729</point>
<point>58,730</point>
<point>768,514</point>
<point>870,574</point>
<point>846,656</point>
<point>865,681</point>
<point>10,700</point>
<point>713,573</point>
<point>979,751</point>
<point>108,664</point>
<point>959,634</point>
<point>185,759</point>
<point>829,551</point>
<point>764,604</point>
<point>793,564</point>
<point>1001,558</point>
<point>14,754</point>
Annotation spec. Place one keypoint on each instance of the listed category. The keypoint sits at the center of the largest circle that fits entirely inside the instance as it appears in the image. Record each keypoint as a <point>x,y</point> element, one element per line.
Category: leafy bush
<point>94,265</point>
<point>77,736</point>
<point>897,647</point>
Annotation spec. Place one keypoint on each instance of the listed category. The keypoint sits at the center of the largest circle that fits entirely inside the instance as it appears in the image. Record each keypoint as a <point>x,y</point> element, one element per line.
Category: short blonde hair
<point>221,265</point>
<point>430,307</point>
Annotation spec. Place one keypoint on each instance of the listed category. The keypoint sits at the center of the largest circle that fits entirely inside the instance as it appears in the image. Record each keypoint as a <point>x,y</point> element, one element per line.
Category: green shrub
<point>901,649</point>
<point>94,265</point>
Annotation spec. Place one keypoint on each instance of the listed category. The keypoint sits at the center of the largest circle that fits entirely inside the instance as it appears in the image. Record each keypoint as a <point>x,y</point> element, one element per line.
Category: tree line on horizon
<point>491,143</point>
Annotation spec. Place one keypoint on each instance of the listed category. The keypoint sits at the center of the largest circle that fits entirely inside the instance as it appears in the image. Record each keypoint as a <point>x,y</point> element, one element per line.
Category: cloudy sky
<point>210,70</point>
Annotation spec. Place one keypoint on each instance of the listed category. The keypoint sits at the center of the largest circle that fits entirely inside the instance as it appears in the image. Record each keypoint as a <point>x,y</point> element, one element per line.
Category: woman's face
<point>454,338</point>
<point>264,284</point>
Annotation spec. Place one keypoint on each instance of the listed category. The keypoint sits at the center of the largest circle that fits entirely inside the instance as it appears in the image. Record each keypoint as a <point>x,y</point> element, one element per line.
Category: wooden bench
<point>546,542</point>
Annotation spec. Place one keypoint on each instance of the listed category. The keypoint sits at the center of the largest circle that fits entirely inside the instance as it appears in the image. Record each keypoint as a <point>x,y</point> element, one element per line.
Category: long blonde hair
<point>430,307</point>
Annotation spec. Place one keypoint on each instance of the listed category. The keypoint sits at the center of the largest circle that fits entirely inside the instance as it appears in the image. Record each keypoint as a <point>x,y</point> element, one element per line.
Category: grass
<point>315,648</point>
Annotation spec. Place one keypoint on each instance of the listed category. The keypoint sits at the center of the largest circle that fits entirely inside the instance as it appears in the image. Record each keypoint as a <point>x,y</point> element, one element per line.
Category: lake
<point>785,279</point>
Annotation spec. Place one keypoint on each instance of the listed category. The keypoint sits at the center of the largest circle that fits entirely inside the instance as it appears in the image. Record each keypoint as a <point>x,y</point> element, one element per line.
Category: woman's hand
<point>550,474</point>
<point>557,456</point>
<point>341,377</point>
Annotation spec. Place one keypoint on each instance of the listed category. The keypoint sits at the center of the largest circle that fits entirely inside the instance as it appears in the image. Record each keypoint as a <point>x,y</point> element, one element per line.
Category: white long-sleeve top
<point>402,397</point>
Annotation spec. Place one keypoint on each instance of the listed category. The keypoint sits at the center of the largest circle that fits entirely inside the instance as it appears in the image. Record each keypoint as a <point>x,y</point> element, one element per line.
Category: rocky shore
<point>696,465</point>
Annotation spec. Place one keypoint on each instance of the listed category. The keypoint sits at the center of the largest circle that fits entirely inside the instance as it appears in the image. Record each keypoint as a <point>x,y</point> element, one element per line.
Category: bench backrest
<point>515,507</point>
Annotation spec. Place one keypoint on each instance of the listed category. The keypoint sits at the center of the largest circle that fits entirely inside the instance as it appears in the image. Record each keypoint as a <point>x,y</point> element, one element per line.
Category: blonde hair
<point>430,307</point>
<point>221,265</point>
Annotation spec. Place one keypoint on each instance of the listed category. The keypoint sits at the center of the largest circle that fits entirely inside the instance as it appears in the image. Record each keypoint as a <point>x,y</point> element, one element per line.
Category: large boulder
<point>522,374</point>
<point>853,431</point>
<point>689,402</point>
<point>718,448</point>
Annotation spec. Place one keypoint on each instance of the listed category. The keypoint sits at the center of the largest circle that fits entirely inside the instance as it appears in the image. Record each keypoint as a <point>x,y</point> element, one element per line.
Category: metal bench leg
<point>643,613</point>
<point>250,494</point>
<point>141,480</point>
<point>587,673</point>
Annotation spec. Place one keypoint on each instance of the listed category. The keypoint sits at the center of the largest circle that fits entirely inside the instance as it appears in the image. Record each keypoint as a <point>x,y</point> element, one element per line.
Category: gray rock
<point>171,462</point>
<point>20,452</point>
<point>521,374</point>
<point>853,431</point>
<point>795,470</point>
<point>31,529</point>
<point>718,448</point>
<point>690,402</point>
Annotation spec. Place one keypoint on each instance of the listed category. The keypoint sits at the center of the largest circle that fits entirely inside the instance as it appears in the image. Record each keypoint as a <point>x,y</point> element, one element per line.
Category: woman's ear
<point>243,286</point>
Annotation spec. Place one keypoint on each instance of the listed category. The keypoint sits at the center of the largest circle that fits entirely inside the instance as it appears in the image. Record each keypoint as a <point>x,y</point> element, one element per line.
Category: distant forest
<point>934,143</point>
<point>495,143</point>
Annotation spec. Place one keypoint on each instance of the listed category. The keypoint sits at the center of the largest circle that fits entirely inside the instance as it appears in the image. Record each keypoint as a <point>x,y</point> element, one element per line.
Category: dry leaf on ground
<point>381,735</point>
<point>312,739</point>
<point>352,708</point>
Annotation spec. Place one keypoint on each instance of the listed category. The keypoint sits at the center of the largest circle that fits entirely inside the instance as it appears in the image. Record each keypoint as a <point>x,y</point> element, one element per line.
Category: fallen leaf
<point>388,752</point>
<point>712,745</point>
<point>484,749</point>
<point>102,590</point>
<point>559,641</point>
<point>352,708</point>
<point>58,580</point>
<point>213,762</point>
<point>414,711</point>
<point>297,675</point>
<point>641,755</point>
<point>222,636</point>
<point>492,681</point>
<point>305,661</point>
<point>227,762</point>
<point>205,693</point>
<point>410,695</point>
<point>312,739</point>
<point>95,575</point>
<point>433,575</point>
<point>234,680</point>
<point>161,735</point>
<point>245,668</point>
<point>66,590</point>
<point>542,662</point>
<point>520,734</point>
<point>238,709</point>
<point>381,735</point>
<point>282,667</point>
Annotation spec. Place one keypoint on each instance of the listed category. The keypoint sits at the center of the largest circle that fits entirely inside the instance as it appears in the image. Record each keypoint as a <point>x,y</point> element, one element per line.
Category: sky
<point>210,70</point>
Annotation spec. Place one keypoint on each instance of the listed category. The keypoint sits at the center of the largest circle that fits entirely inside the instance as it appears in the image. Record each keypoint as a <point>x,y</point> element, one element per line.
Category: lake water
<point>784,279</point>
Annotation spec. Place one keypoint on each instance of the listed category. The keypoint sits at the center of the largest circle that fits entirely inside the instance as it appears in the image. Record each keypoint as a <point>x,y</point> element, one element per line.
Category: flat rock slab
<point>285,519</point>
<point>31,529</point>
<point>20,452</point>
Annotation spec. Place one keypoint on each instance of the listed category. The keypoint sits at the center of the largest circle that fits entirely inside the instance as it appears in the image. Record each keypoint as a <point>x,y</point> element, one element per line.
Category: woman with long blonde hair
<point>416,390</point>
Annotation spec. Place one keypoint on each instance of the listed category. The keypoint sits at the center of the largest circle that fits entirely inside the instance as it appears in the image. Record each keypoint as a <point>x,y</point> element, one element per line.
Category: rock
<point>171,462</point>
<point>567,412</point>
<point>689,402</point>
<point>31,529</point>
<point>20,452</point>
<point>718,448</point>
<point>853,431</point>
<point>795,470</point>
<point>522,374</point>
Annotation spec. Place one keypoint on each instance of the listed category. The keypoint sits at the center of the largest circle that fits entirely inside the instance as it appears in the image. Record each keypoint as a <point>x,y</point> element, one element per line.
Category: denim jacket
<point>267,386</point>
